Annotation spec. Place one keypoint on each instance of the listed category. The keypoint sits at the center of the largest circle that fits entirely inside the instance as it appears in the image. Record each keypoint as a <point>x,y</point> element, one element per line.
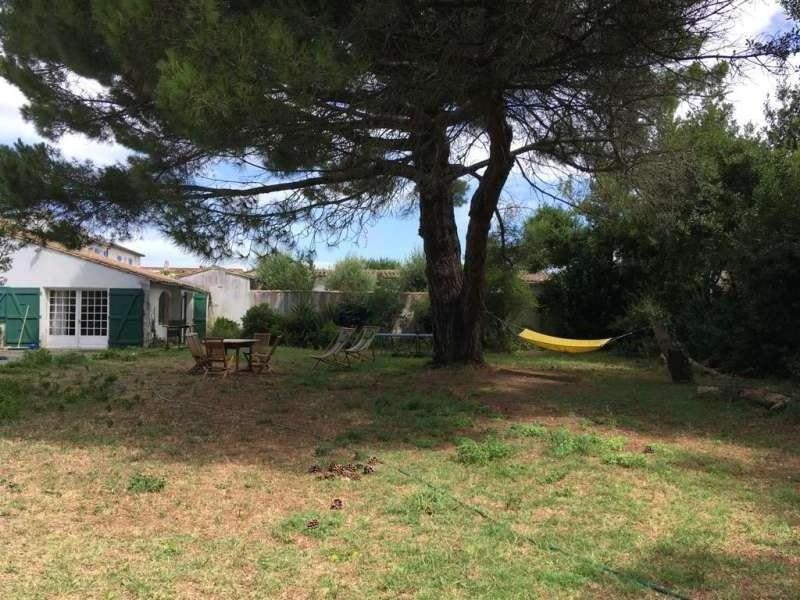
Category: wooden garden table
<point>237,344</point>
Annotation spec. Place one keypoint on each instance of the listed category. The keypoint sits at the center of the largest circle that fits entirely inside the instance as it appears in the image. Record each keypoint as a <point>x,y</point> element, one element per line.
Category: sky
<point>392,236</point>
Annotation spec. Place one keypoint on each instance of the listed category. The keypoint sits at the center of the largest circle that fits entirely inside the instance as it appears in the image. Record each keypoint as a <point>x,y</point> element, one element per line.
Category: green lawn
<point>123,477</point>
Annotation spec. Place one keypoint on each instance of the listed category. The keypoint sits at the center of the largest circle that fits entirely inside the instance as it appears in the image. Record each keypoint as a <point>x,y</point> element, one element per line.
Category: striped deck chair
<point>362,348</point>
<point>334,354</point>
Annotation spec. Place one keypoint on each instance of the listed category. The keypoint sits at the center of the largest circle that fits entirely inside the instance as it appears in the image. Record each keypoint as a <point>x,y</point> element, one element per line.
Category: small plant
<point>480,453</point>
<point>528,430</point>
<point>309,524</point>
<point>141,483</point>
<point>627,460</point>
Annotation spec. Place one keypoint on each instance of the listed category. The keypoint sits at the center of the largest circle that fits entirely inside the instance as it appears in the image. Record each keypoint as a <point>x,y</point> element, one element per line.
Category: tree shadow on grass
<point>303,408</point>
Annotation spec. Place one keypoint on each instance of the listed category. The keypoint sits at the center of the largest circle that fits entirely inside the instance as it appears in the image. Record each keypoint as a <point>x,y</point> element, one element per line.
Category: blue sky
<point>392,236</point>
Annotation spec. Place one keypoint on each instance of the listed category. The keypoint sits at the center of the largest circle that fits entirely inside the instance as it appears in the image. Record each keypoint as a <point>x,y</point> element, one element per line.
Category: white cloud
<point>73,145</point>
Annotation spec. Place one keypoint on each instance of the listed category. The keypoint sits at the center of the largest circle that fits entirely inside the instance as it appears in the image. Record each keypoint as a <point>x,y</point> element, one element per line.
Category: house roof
<point>110,244</point>
<point>180,272</point>
<point>113,264</point>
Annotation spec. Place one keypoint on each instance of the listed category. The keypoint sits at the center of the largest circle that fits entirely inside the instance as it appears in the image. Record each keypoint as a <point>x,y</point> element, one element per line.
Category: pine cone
<point>369,469</point>
<point>649,450</point>
<point>313,524</point>
<point>336,504</point>
<point>314,469</point>
<point>373,461</point>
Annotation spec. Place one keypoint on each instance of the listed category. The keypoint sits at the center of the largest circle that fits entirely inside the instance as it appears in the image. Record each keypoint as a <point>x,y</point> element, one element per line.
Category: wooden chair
<point>332,353</point>
<point>262,352</point>
<point>362,348</point>
<point>198,353</point>
<point>217,358</point>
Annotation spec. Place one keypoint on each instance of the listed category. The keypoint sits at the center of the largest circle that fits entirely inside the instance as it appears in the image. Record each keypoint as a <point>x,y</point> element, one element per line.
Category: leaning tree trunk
<point>457,294</point>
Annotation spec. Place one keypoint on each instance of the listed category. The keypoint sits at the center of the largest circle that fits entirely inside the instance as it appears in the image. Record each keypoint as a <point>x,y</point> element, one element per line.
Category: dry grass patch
<point>171,486</point>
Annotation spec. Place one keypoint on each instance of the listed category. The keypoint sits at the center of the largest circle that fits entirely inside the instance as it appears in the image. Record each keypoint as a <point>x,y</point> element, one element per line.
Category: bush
<point>508,298</point>
<point>261,319</point>
<point>412,276</point>
<point>421,320</point>
<point>307,328</point>
<point>382,307</point>
<point>349,275</point>
<point>352,311</point>
<point>225,328</point>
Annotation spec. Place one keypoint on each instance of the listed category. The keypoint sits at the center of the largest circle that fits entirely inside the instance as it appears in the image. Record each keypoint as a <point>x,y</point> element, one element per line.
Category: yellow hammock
<point>562,344</point>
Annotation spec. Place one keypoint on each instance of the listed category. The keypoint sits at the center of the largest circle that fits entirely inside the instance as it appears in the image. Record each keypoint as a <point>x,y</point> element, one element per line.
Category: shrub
<point>421,320</point>
<point>381,263</point>
<point>308,328</point>
<point>140,483</point>
<point>225,328</point>
<point>351,311</point>
<point>349,275</point>
<point>381,307</point>
<point>508,298</point>
<point>261,319</point>
<point>412,276</point>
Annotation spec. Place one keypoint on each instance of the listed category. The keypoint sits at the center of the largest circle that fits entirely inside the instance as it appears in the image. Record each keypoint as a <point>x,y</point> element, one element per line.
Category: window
<point>105,252</point>
<point>119,258</point>
<point>163,308</point>
<point>62,312</point>
<point>94,312</point>
<point>130,261</point>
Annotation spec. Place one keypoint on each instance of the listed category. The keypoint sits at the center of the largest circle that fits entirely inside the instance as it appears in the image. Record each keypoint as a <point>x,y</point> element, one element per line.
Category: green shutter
<point>200,304</point>
<point>15,303</point>
<point>126,317</point>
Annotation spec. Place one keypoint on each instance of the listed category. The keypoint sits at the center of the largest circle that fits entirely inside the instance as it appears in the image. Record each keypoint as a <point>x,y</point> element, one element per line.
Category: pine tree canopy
<point>337,111</point>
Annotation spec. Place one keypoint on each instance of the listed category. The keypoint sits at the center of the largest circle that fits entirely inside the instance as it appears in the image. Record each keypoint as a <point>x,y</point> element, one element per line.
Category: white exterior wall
<point>38,267</point>
<point>115,253</point>
<point>229,294</point>
<point>155,329</point>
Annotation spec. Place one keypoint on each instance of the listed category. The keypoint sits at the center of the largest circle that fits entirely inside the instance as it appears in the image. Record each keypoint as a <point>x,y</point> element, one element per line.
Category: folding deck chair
<point>362,348</point>
<point>332,353</point>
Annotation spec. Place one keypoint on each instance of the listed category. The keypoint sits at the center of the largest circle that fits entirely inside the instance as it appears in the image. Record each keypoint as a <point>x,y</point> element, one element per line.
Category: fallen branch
<point>772,401</point>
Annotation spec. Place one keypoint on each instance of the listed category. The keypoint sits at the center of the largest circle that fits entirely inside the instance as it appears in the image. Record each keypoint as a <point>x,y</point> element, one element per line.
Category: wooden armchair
<point>198,353</point>
<point>263,351</point>
<point>217,358</point>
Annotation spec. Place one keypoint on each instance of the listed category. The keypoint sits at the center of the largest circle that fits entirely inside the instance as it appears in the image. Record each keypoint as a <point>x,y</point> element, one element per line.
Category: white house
<point>55,297</point>
<point>229,290</point>
<point>114,251</point>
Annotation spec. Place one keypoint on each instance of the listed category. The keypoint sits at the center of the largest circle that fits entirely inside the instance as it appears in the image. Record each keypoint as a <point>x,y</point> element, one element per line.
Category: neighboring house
<point>83,299</point>
<point>229,290</point>
<point>114,251</point>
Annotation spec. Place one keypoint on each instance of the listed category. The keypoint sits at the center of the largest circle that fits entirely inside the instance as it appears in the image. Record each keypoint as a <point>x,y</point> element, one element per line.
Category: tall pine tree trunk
<point>457,294</point>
